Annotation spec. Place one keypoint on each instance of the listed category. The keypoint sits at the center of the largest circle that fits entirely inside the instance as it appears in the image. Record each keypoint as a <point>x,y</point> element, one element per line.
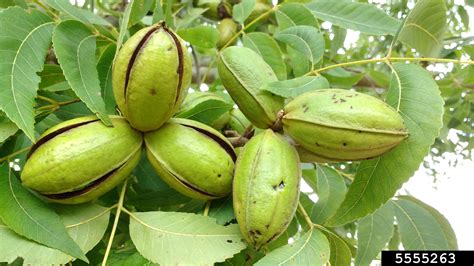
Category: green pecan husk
<point>81,159</point>
<point>266,187</point>
<point>193,158</point>
<point>333,125</point>
<point>227,29</point>
<point>151,76</point>
<point>243,72</point>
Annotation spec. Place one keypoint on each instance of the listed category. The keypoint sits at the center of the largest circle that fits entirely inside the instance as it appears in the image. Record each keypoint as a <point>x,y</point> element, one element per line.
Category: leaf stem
<point>305,215</point>
<point>14,154</point>
<point>208,206</point>
<point>46,99</point>
<point>114,227</point>
<point>391,59</point>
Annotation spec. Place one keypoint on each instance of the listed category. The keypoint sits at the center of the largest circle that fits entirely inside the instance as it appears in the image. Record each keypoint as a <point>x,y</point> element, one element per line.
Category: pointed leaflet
<point>74,45</point>
<point>293,14</point>
<point>86,224</point>
<point>242,10</point>
<point>7,128</point>
<point>139,9</point>
<point>104,68</point>
<point>24,42</point>
<point>416,96</point>
<point>442,221</point>
<point>268,48</point>
<point>305,39</point>
<point>30,217</point>
<point>419,230</point>
<point>172,238</point>
<point>363,17</point>
<point>340,252</point>
<point>424,27</point>
<point>311,249</point>
<point>374,231</point>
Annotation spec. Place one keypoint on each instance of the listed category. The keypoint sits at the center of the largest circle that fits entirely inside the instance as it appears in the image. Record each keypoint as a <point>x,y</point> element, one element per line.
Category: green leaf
<point>104,69</point>
<point>340,251</point>
<point>52,79</point>
<point>222,210</point>
<point>416,96</point>
<point>192,15</point>
<point>424,27</point>
<point>298,62</point>
<point>294,14</point>
<point>24,42</point>
<point>185,238</point>
<point>363,17</point>
<point>394,243</point>
<point>374,231</point>
<point>268,48</point>
<point>82,15</point>
<point>124,26</point>
<point>442,221</point>
<point>201,36</point>
<point>311,249</point>
<point>293,87</point>
<point>74,45</point>
<point>242,10</point>
<point>158,12</point>
<point>207,111</point>
<point>338,41</point>
<point>341,78</point>
<point>305,39</point>
<point>7,129</point>
<point>331,189</point>
<point>139,9</point>
<point>86,224</point>
<point>32,218</point>
<point>469,2</point>
<point>418,228</point>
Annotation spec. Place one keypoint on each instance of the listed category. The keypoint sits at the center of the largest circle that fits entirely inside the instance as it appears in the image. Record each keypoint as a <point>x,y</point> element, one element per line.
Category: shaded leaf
<point>207,111</point>
<point>337,41</point>
<point>201,36</point>
<point>364,17</point>
<point>242,10</point>
<point>341,78</point>
<point>139,9</point>
<point>184,238</point>
<point>52,79</point>
<point>104,69</point>
<point>268,49</point>
<point>86,224</point>
<point>418,228</point>
<point>192,15</point>
<point>415,95</point>
<point>424,27</point>
<point>222,210</point>
<point>298,62</point>
<point>74,45</point>
<point>7,129</point>
<point>28,216</point>
<point>331,189</point>
<point>374,231</point>
<point>442,221</point>
<point>340,251</point>
<point>294,14</point>
<point>305,39</point>
<point>24,42</point>
<point>82,15</point>
<point>294,87</point>
<point>311,249</point>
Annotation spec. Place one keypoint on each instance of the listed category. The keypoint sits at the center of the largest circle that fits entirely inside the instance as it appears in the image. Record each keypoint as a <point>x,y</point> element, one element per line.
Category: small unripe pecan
<point>266,187</point>
<point>81,159</point>
<point>192,158</point>
<point>151,76</point>
<point>342,125</point>
<point>243,72</point>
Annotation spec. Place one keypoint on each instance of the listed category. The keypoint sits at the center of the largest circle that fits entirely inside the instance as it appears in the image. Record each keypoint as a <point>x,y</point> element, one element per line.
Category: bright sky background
<point>454,193</point>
